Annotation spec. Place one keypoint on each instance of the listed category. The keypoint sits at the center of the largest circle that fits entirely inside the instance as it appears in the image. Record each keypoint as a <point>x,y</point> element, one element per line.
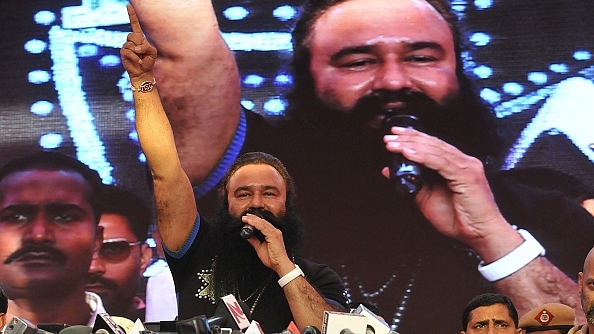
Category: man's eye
<point>420,59</point>
<point>358,63</point>
<point>16,218</point>
<point>64,217</point>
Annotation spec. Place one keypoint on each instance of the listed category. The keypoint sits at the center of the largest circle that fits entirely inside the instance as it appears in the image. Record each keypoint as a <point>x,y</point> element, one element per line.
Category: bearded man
<point>208,262</point>
<point>586,287</point>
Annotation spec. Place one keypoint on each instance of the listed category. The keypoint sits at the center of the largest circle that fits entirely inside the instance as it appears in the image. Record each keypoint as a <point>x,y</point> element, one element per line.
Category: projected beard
<point>462,119</point>
<point>237,268</point>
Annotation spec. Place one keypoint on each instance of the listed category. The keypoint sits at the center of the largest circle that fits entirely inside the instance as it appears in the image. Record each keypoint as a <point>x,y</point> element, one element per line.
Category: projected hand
<point>138,55</point>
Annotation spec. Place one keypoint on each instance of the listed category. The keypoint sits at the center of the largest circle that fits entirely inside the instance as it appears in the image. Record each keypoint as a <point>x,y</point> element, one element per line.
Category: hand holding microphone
<point>406,174</point>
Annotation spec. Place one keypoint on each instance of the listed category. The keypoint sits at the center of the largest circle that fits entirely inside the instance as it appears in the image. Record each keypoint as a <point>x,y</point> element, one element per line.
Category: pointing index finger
<point>134,23</point>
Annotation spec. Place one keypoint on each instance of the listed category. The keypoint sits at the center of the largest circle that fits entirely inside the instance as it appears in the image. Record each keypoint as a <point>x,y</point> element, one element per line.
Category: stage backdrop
<point>63,86</point>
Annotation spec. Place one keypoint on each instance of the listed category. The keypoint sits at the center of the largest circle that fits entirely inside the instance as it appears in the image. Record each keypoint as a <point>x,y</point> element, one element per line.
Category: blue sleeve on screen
<point>226,160</point>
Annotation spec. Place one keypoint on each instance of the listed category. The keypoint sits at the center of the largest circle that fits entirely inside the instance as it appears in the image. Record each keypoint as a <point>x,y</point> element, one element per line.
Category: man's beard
<point>589,310</point>
<point>460,119</point>
<point>237,268</point>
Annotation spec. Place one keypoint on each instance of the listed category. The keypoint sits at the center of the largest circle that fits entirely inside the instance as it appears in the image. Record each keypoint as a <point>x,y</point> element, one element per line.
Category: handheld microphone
<point>247,231</point>
<point>406,174</point>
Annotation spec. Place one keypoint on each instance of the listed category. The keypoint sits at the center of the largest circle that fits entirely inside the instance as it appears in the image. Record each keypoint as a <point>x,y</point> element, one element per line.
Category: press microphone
<point>310,330</point>
<point>228,313</point>
<point>406,174</point>
<point>18,325</point>
<point>105,324</point>
<point>77,329</point>
<point>375,324</point>
<point>343,323</point>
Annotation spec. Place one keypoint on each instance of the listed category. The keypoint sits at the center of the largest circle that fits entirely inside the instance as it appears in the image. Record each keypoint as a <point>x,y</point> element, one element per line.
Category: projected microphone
<point>405,173</point>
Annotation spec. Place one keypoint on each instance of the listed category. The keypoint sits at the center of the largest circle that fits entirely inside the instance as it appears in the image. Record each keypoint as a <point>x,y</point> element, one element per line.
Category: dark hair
<point>551,179</point>
<point>488,299</point>
<point>311,12</point>
<point>475,120</point>
<point>125,203</point>
<point>3,301</point>
<point>54,161</point>
<point>259,158</point>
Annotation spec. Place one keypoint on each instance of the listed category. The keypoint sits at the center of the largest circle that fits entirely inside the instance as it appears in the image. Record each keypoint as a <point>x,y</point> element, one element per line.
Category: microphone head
<point>77,329</point>
<point>310,330</point>
<point>404,118</point>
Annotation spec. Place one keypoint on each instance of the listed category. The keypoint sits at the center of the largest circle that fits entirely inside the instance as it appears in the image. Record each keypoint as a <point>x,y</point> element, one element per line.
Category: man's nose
<point>39,230</point>
<point>97,264</point>
<point>257,201</point>
<point>392,76</point>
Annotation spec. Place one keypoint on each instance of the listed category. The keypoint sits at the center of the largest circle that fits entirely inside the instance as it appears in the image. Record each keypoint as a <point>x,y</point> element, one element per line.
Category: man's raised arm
<point>197,77</point>
<point>174,198</point>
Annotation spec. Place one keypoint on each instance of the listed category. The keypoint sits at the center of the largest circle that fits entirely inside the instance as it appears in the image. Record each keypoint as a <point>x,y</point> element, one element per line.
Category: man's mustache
<point>99,280</point>
<point>266,215</point>
<point>27,251</point>
<point>375,102</point>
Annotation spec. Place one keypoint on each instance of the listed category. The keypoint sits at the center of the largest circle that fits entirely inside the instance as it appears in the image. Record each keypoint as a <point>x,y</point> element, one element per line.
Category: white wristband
<point>291,275</point>
<point>514,260</point>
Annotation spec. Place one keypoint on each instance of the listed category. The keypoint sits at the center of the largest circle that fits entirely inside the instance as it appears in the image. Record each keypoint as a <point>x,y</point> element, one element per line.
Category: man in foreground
<point>209,261</point>
<point>49,215</point>
<point>490,313</point>
<point>586,290</point>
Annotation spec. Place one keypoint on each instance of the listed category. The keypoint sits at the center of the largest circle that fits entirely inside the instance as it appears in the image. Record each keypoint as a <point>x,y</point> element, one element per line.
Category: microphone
<point>228,313</point>
<point>406,174</point>
<point>52,327</point>
<point>77,329</point>
<point>254,328</point>
<point>310,330</point>
<point>343,323</point>
<point>375,324</point>
<point>18,325</point>
<point>104,324</point>
<point>247,231</point>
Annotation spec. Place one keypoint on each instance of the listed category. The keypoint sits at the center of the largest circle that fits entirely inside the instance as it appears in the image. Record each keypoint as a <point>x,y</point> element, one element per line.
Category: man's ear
<point>98,237</point>
<point>2,320</point>
<point>146,254</point>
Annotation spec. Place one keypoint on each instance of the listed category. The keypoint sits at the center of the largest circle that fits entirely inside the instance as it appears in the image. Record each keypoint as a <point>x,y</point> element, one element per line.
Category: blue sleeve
<point>189,241</point>
<point>226,160</point>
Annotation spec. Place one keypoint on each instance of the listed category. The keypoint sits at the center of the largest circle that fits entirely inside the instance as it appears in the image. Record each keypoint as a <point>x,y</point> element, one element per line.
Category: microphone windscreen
<point>77,329</point>
<point>52,327</point>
